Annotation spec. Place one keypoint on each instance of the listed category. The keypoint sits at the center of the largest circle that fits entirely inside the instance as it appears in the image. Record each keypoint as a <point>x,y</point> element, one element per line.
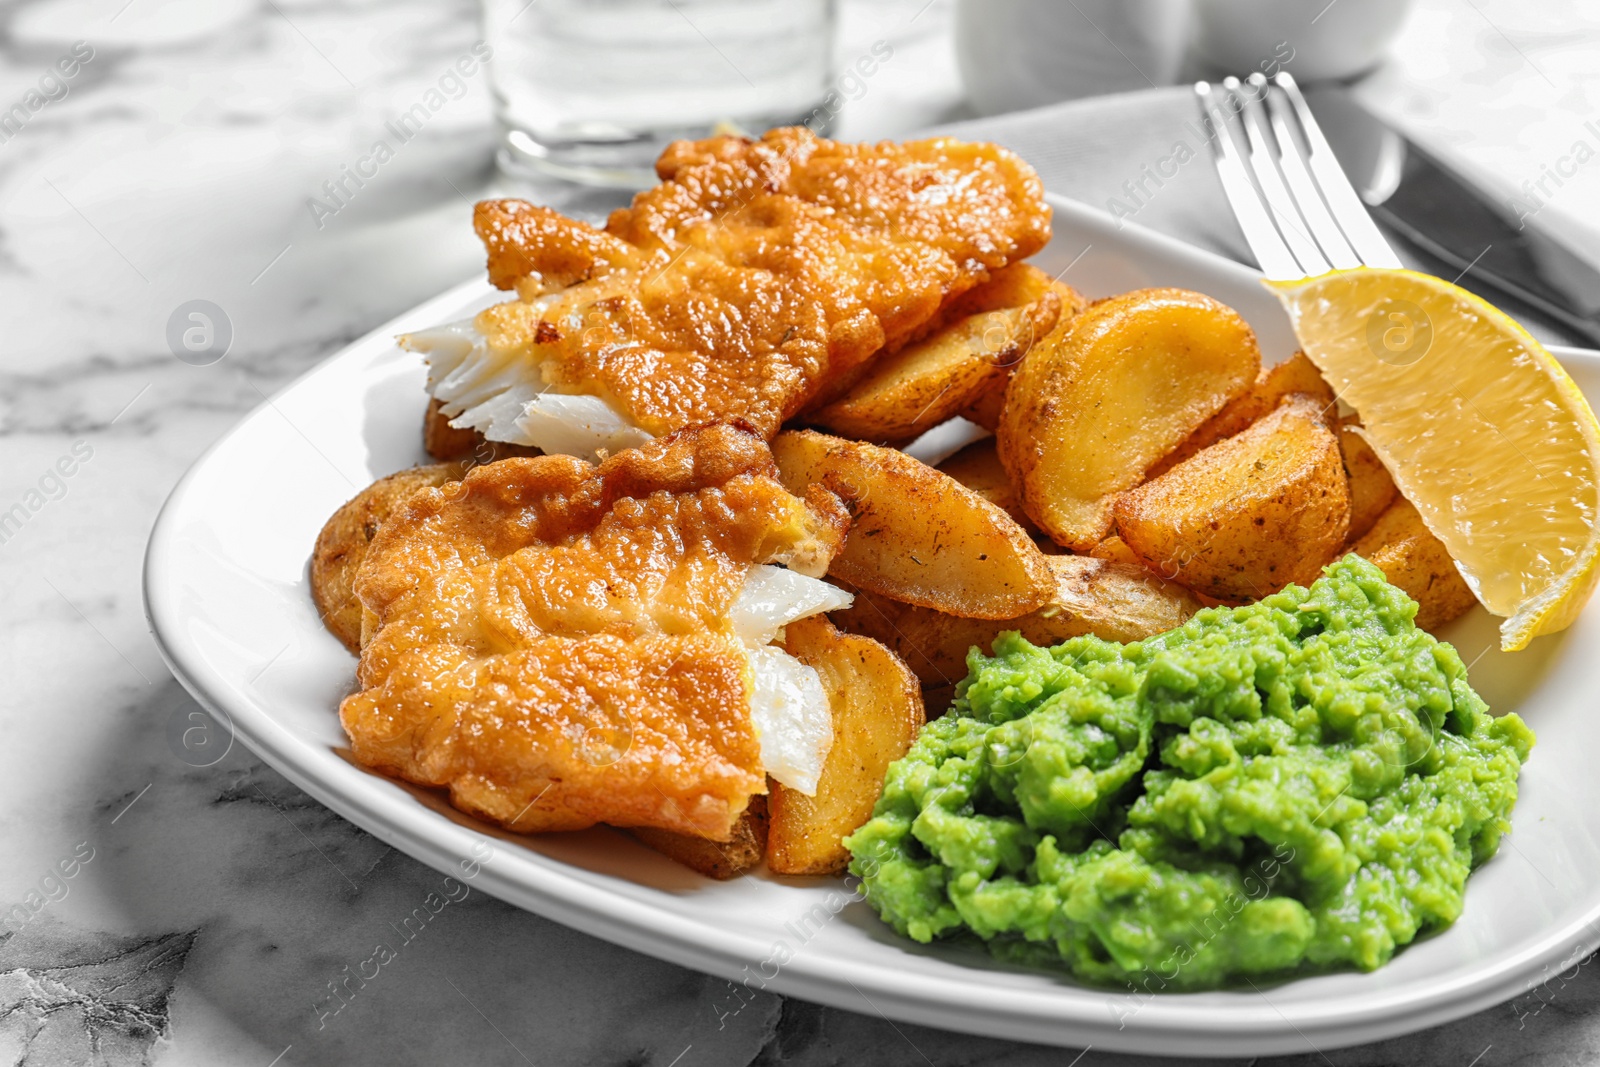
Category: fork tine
<point>1292,161</point>
<point>1259,233</point>
<point>1343,203</point>
<point>1295,230</point>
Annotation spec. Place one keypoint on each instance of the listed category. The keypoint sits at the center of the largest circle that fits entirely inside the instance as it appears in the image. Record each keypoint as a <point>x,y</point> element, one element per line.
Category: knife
<point>1445,214</point>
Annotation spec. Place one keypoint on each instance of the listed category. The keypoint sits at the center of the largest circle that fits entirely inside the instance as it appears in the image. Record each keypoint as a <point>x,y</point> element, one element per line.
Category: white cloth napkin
<point>1142,156</point>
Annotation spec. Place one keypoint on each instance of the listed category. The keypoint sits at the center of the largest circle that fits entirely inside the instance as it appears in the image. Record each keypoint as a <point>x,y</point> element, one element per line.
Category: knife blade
<point>1446,214</point>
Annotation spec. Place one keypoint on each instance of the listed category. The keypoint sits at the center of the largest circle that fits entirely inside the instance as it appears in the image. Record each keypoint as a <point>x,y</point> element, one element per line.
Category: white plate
<point>226,592</point>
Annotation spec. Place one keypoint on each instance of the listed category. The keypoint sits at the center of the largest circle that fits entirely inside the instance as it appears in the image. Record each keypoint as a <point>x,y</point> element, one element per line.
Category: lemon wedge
<point>1480,427</point>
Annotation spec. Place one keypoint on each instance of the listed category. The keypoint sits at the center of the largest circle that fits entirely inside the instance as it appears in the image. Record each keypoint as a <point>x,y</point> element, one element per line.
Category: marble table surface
<point>207,909</point>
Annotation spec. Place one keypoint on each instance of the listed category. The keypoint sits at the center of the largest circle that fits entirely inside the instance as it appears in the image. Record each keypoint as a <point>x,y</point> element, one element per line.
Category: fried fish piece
<point>342,544</point>
<point>759,277</point>
<point>445,442</point>
<point>560,644</point>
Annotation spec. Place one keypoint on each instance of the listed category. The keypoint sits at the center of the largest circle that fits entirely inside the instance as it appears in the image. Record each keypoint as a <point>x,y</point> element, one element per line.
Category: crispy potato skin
<point>1119,601</point>
<point>1116,550</point>
<point>986,408</point>
<point>1113,600</point>
<point>1249,515</point>
<point>1014,286</point>
<point>989,406</point>
<point>342,544</point>
<point>1096,404</point>
<point>1412,558</point>
<point>1372,490</point>
<point>1297,374</point>
<point>918,535</point>
<point>877,713</point>
<point>978,467</point>
<point>744,849</point>
<point>972,352</point>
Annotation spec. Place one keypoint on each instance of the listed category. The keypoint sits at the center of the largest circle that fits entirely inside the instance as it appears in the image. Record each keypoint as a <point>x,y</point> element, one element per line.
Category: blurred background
<point>156,153</point>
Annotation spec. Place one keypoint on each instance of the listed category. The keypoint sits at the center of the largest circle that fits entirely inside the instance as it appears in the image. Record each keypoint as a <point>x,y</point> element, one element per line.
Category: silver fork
<point>1297,209</point>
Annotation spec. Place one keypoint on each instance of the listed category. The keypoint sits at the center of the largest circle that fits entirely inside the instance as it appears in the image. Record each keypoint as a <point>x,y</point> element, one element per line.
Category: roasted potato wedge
<point>1116,550</point>
<point>1412,558</point>
<point>917,534</point>
<point>342,544</point>
<point>877,711</point>
<point>1249,515</point>
<point>1297,374</point>
<point>1116,601</point>
<point>931,380</point>
<point>744,849</point>
<point>1094,406</point>
<point>986,408</point>
<point>1013,286</point>
<point>978,468</point>
<point>925,383</point>
<point>1372,490</point>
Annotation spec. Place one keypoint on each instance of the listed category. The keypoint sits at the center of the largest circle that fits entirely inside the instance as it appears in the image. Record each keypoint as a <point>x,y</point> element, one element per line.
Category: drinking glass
<point>592,90</point>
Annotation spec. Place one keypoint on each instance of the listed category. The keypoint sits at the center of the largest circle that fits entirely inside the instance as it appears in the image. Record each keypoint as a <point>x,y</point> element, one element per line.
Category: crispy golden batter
<point>342,544</point>
<point>760,275</point>
<point>552,639</point>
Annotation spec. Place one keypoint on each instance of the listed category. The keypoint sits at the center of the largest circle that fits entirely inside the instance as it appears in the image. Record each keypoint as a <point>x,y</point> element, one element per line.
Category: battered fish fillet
<point>757,279</point>
<point>562,644</point>
<point>342,544</point>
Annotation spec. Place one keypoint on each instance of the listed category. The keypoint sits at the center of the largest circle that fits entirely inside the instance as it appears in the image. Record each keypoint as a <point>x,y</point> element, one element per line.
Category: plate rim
<point>537,883</point>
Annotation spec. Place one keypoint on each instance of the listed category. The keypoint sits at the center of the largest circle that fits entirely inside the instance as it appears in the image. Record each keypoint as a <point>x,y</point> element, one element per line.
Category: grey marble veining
<point>215,914</point>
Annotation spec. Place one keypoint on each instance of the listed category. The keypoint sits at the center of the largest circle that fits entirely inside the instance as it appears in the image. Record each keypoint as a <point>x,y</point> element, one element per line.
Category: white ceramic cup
<point>1016,54</point>
<point>1325,40</point>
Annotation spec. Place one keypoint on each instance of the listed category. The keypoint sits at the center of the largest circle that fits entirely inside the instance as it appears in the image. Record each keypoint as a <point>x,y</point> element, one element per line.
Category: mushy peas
<point>1305,782</point>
